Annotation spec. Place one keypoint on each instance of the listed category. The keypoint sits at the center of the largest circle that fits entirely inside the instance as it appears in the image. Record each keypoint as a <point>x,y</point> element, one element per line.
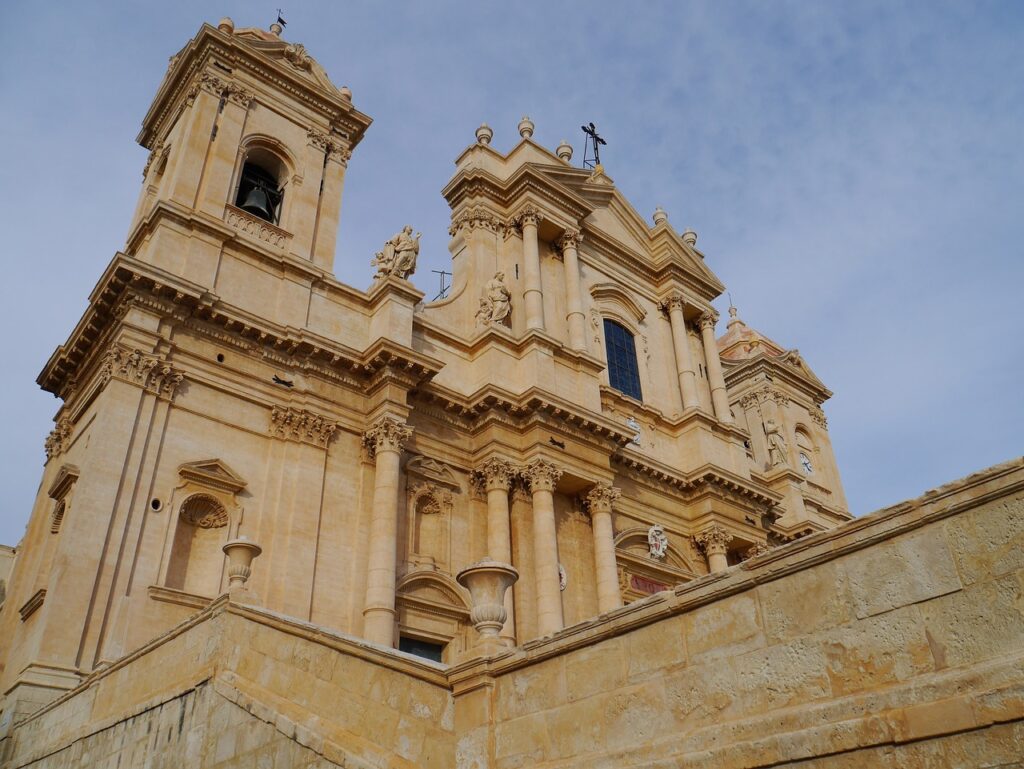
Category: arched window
<point>260,187</point>
<point>623,373</point>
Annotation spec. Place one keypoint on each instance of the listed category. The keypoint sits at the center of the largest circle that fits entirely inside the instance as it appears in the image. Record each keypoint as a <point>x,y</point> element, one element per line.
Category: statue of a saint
<point>496,303</point>
<point>398,257</point>
<point>657,541</point>
<point>776,444</point>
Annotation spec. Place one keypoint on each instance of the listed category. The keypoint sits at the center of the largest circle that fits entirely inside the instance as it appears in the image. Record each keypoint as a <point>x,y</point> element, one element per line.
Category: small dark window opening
<point>623,373</point>
<point>220,357</point>
<point>426,649</point>
<point>259,194</point>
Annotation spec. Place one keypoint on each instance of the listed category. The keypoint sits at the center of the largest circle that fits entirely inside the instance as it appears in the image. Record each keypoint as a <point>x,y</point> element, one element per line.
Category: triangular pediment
<point>431,470</point>
<point>214,473</point>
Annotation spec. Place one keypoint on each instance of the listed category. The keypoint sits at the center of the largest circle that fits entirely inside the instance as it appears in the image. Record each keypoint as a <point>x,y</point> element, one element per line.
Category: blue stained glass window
<point>623,373</point>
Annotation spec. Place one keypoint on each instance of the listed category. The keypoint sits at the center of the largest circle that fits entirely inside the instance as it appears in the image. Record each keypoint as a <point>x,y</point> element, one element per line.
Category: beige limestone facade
<point>551,519</point>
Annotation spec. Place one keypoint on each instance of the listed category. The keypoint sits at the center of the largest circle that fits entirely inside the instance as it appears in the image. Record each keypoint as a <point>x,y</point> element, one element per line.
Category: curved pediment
<point>634,542</point>
<point>610,293</point>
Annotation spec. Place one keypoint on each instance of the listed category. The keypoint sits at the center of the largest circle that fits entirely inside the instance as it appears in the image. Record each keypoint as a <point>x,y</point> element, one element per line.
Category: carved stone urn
<point>487,581</point>
<point>241,553</point>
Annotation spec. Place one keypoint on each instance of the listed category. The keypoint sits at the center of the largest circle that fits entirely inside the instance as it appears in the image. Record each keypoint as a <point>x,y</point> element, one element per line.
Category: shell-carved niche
<point>431,488</point>
<point>204,509</point>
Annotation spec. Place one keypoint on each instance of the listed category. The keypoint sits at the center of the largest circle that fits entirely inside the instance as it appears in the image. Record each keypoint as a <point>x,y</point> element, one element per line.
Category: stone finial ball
<point>660,217</point>
<point>226,25</point>
<point>484,134</point>
<point>526,127</point>
<point>346,92</point>
<point>690,237</point>
<point>564,151</point>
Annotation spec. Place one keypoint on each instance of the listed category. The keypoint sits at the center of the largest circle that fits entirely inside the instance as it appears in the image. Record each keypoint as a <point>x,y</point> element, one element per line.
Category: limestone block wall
<point>896,640</point>
<point>236,686</point>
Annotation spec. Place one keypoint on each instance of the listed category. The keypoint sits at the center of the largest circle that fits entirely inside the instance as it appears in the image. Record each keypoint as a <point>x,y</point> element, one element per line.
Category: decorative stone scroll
<point>151,372</point>
<point>714,540</point>
<point>542,475</point>
<point>386,434</point>
<point>301,425</point>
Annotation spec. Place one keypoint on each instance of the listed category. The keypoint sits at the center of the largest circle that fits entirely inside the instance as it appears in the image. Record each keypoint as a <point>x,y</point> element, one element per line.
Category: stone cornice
<point>129,280</point>
<point>476,183</point>
<point>738,372</point>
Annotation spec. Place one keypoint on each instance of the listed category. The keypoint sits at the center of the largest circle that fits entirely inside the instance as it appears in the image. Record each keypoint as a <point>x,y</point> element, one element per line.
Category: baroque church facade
<point>236,420</point>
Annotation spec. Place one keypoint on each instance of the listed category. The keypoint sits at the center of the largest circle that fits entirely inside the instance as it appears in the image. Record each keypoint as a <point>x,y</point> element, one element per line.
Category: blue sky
<point>854,172</point>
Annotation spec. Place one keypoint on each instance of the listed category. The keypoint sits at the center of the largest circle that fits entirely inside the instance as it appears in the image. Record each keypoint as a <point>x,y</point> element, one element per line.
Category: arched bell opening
<point>261,185</point>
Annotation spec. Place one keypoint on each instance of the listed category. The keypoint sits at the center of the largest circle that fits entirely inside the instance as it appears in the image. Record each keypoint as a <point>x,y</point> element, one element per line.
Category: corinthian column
<point>529,218</point>
<point>384,441</point>
<point>497,475</point>
<point>542,476</point>
<point>681,344</point>
<point>719,396</point>
<point>714,541</point>
<point>599,500</point>
<point>573,301</point>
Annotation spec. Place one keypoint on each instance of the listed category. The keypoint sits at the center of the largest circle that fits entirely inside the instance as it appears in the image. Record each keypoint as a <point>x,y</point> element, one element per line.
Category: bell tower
<point>249,141</point>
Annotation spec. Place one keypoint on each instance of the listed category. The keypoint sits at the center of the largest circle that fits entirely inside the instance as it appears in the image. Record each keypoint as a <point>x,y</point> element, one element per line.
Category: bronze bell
<point>257,203</point>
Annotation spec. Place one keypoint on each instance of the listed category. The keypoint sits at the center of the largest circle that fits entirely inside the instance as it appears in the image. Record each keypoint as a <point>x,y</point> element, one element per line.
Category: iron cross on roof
<point>595,141</point>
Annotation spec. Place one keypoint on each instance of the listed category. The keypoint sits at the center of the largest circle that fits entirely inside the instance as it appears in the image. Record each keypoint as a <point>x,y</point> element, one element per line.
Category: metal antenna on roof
<point>593,145</point>
<point>445,284</point>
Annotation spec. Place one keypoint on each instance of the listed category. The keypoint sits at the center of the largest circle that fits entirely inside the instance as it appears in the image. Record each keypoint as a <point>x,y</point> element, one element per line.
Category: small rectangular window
<point>425,649</point>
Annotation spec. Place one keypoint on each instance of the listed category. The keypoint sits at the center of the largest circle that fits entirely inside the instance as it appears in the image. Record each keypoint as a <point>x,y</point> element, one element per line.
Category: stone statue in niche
<point>496,303</point>
<point>657,542</point>
<point>398,257</point>
<point>776,444</point>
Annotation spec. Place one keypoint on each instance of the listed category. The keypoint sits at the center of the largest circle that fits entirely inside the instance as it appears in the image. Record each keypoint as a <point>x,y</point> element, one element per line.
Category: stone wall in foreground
<point>894,641</point>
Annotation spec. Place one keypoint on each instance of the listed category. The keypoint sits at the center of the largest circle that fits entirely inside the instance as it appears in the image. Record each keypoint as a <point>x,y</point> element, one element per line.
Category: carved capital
<point>601,497</point>
<point>58,439</point>
<point>708,320</point>
<point>750,401</point>
<point>339,154</point>
<point>150,372</point>
<point>475,218</point>
<point>758,548</point>
<point>542,475</point>
<point>528,214</point>
<point>154,155</point>
<point>300,425</point>
<point>714,540</point>
<point>818,417</point>
<point>673,302</point>
<point>386,434</point>
<point>238,95</point>
<point>496,474</point>
<point>318,139</point>
<point>570,239</point>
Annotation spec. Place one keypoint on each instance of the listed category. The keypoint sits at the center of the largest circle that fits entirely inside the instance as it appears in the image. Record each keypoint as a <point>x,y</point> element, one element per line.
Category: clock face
<point>806,462</point>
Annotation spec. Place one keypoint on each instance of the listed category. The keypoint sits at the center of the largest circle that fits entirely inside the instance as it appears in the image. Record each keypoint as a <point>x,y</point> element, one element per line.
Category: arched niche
<point>266,163</point>
<point>204,512</point>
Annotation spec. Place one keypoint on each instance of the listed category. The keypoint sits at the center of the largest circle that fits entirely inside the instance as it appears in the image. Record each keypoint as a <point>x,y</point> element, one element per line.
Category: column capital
<point>528,214</point>
<point>673,301</point>
<point>713,540</point>
<point>496,473</point>
<point>708,319</point>
<point>542,475</point>
<point>239,95</point>
<point>386,434</point>
<point>339,154</point>
<point>601,497</point>
<point>571,238</point>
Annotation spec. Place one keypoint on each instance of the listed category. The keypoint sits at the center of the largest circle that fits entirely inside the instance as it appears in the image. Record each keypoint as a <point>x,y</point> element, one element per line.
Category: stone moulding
<point>301,425</point>
<point>256,227</point>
